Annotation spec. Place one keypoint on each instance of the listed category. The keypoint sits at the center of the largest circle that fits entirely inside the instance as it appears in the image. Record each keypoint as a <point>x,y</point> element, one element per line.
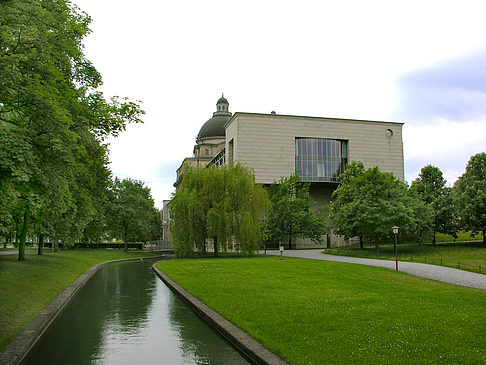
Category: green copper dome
<point>222,99</point>
<point>214,127</point>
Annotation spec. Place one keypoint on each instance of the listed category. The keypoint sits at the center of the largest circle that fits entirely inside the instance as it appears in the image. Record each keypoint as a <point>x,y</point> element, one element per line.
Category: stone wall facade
<point>266,144</point>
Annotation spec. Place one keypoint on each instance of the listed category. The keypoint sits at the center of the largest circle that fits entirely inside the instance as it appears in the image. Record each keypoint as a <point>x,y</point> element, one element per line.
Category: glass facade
<point>320,159</point>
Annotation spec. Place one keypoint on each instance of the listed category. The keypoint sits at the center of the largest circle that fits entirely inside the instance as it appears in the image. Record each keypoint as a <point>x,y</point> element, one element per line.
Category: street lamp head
<point>395,229</point>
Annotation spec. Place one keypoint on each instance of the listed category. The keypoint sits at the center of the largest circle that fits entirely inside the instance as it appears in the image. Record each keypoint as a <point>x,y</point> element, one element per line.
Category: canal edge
<point>15,352</point>
<point>247,345</point>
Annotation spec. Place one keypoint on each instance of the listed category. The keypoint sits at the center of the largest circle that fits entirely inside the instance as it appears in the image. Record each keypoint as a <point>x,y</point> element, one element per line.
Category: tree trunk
<point>40,249</point>
<point>17,230</point>
<point>215,246</point>
<point>290,241</point>
<point>376,247</point>
<point>433,239</point>
<point>55,244</point>
<point>23,234</point>
<point>361,242</point>
<point>125,243</point>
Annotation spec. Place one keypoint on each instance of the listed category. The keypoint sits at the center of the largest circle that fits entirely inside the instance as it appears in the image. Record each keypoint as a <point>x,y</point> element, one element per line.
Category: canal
<point>124,314</point>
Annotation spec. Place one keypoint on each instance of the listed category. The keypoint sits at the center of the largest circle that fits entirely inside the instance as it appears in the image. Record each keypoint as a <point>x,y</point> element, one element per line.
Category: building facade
<point>316,149</point>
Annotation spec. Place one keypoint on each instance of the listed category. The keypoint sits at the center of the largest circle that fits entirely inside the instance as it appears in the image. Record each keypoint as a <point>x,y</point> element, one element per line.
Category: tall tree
<point>291,215</point>
<point>48,102</point>
<point>133,213</point>
<point>223,205</point>
<point>445,213</point>
<point>470,195</point>
<point>430,187</point>
<point>429,184</point>
<point>367,203</point>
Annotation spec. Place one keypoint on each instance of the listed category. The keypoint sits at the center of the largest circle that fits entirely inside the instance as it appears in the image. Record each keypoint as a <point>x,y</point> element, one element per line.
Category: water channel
<point>126,315</point>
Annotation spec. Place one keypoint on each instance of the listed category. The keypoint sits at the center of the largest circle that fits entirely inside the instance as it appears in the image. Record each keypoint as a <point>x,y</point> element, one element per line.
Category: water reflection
<point>124,315</point>
<point>195,341</point>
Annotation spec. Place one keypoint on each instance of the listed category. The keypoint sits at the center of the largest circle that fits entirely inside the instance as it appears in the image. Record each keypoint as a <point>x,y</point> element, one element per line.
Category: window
<point>207,152</point>
<point>320,159</point>
<point>231,152</point>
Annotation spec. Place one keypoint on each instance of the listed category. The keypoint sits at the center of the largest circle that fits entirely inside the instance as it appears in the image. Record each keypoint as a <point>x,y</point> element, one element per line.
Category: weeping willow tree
<point>222,206</point>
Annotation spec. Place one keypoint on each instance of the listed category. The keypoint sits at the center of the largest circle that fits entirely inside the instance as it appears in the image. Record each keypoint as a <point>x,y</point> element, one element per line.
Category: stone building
<point>315,148</point>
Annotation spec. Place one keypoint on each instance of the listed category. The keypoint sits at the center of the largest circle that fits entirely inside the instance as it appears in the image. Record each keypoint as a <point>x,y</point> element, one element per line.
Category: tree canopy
<point>470,195</point>
<point>133,216</point>
<point>429,184</point>
<point>430,188</point>
<point>53,120</point>
<point>290,215</point>
<point>368,203</point>
<point>222,205</point>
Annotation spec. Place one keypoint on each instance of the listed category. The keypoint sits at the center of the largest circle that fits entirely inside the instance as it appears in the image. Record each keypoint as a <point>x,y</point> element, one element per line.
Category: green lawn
<point>470,256</point>
<point>27,287</point>
<point>317,312</point>
<point>461,237</point>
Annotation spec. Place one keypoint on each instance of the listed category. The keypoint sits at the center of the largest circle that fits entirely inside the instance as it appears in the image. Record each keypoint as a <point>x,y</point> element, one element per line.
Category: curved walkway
<point>434,272</point>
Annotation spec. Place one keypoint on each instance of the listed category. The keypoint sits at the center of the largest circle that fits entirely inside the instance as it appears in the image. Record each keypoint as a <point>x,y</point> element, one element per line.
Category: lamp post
<point>395,232</point>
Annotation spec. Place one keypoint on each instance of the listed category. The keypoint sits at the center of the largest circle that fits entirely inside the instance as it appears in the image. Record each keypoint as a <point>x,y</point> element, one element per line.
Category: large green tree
<point>50,112</point>
<point>222,205</point>
<point>470,195</point>
<point>133,216</point>
<point>429,184</point>
<point>367,203</point>
<point>444,213</point>
<point>430,187</point>
<point>291,215</point>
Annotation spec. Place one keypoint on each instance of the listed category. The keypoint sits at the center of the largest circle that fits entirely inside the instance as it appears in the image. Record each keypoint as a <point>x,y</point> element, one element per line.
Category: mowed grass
<point>465,236</point>
<point>470,256</point>
<point>27,287</point>
<point>317,312</point>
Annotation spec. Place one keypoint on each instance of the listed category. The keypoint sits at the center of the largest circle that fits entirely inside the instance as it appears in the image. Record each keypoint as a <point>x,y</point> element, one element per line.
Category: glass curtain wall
<point>320,159</point>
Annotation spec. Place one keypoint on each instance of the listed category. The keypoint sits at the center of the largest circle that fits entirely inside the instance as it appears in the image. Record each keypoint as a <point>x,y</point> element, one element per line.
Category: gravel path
<point>439,273</point>
<point>13,252</point>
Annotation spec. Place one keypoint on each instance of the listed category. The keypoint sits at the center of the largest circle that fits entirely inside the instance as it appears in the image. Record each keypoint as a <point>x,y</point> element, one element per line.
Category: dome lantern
<point>222,104</point>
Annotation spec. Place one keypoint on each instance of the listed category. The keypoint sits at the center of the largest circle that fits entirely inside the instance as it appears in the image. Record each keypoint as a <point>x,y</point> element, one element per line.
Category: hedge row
<point>136,245</point>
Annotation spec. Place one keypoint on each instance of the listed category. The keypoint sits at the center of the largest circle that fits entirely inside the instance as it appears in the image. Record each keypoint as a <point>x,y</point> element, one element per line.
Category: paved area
<point>434,272</point>
<point>14,252</point>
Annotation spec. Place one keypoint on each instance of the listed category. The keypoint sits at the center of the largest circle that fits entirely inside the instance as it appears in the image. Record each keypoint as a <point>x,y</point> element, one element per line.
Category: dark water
<point>126,315</point>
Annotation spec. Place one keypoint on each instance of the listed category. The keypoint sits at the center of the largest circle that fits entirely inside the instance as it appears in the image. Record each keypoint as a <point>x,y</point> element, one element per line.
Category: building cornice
<point>237,114</point>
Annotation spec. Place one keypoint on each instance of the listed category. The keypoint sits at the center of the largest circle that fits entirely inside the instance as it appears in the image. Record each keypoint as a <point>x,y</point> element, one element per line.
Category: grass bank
<point>316,312</point>
<point>466,256</point>
<point>27,287</point>
<point>461,237</point>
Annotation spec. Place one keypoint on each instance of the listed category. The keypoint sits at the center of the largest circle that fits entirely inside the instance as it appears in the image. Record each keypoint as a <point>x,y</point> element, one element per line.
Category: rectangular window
<point>320,159</point>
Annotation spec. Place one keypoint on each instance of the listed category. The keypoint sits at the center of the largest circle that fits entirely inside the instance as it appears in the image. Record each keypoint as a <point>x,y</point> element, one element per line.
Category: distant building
<point>210,140</point>
<point>315,148</point>
<point>166,236</point>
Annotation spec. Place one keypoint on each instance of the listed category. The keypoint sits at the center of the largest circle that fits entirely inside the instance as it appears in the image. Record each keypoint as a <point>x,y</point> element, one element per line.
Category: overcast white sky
<point>418,62</point>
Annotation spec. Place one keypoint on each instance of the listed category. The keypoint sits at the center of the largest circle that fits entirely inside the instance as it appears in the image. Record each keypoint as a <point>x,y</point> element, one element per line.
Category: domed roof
<point>222,99</point>
<point>214,127</point>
